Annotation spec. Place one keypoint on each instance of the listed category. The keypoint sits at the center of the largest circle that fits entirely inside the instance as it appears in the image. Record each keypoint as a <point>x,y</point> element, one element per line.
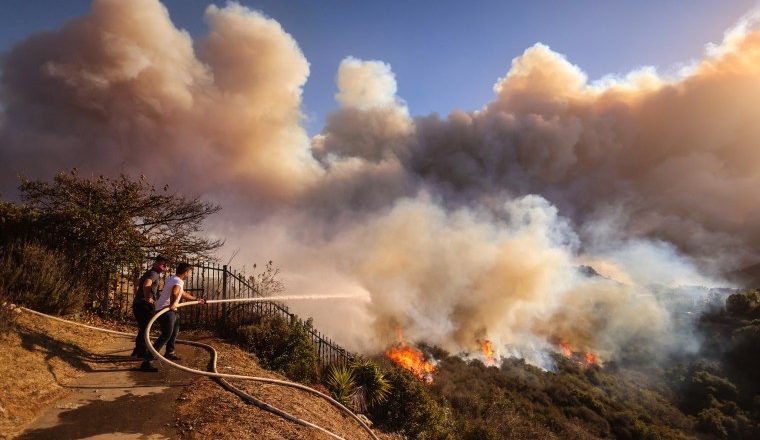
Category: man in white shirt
<point>172,293</point>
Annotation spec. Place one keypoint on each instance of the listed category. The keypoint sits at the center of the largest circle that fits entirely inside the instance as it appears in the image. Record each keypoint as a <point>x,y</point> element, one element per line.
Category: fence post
<point>104,304</point>
<point>224,290</point>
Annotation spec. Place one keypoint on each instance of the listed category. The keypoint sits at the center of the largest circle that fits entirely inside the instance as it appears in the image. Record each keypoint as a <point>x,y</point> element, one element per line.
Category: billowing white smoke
<point>460,228</point>
<point>509,274</point>
<point>122,89</point>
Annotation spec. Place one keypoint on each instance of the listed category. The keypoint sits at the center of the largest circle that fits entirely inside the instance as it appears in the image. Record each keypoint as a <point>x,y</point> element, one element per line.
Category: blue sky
<point>448,54</point>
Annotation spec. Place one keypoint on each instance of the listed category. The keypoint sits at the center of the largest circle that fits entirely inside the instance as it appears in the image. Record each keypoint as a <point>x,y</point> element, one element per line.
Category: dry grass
<point>40,357</point>
<point>205,410</point>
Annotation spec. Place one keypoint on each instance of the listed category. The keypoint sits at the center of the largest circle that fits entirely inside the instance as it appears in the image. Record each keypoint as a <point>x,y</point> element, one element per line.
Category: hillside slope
<point>205,410</point>
<point>46,361</point>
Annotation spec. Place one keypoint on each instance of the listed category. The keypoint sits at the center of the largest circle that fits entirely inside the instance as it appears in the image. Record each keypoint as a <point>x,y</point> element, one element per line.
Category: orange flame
<point>591,359</point>
<point>411,359</point>
<point>583,360</point>
<point>487,348</point>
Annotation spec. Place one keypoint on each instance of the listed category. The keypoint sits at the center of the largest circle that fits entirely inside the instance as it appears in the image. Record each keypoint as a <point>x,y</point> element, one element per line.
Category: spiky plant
<point>341,383</point>
<point>372,387</point>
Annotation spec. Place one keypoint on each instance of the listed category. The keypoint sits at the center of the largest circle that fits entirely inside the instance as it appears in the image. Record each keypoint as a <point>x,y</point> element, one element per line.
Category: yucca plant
<point>372,387</point>
<point>341,383</point>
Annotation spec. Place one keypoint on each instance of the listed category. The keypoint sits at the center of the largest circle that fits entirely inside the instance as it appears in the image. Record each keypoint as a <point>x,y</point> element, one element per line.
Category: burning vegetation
<point>710,394</point>
<point>423,366</point>
<point>411,358</point>
<point>584,359</point>
<point>488,354</point>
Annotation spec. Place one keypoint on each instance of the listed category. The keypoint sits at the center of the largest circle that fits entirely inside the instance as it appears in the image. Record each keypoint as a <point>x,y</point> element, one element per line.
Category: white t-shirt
<point>166,293</point>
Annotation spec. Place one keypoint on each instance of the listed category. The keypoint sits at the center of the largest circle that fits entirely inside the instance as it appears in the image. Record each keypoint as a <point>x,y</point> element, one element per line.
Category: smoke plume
<point>122,89</point>
<point>457,228</point>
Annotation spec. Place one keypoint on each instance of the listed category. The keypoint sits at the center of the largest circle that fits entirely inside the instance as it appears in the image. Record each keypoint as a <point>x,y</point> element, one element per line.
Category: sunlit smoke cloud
<point>122,89</point>
<point>372,123</point>
<point>457,228</point>
<point>365,84</point>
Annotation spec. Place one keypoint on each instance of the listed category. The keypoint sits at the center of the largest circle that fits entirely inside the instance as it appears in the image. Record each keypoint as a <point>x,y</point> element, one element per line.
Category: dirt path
<point>115,401</point>
<point>68,382</point>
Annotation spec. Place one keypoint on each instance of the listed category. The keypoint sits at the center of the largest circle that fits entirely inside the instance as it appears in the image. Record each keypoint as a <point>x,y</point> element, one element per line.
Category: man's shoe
<point>172,357</point>
<point>146,366</point>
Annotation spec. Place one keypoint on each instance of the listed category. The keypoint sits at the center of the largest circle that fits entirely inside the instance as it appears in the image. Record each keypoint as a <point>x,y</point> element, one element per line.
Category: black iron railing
<point>218,281</point>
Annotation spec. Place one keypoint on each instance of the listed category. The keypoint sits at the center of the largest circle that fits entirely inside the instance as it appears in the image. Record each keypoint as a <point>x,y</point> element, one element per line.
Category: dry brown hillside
<point>47,363</point>
<point>205,410</point>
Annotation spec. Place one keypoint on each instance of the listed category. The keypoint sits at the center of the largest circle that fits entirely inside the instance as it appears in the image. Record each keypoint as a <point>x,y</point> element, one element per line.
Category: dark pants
<point>143,311</point>
<point>169,322</point>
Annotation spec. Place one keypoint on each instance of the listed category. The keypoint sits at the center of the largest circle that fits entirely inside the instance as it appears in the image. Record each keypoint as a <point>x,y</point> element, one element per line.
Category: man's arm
<point>178,292</point>
<point>147,291</point>
<point>174,300</point>
<point>186,295</point>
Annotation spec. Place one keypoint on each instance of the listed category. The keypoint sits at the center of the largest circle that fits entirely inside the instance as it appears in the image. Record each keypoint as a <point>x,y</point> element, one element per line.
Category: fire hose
<point>220,377</point>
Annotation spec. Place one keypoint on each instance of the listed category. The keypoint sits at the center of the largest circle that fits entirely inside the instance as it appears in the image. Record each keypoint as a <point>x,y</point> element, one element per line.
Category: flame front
<point>487,348</point>
<point>411,359</point>
<point>583,359</point>
<point>591,359</point>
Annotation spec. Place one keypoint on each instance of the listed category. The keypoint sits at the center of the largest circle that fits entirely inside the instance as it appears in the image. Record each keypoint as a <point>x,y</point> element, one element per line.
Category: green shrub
<point>341,383</point>
<point>100,223</point>
<point>360,386</point>
<point>411,410</point>
<point>282,345</point>
<point>712,421</point>
<point>478,430</point>
<point>372,388</point>
<point>742,355</point>
<point>744,304</point>
<point>39,278</point>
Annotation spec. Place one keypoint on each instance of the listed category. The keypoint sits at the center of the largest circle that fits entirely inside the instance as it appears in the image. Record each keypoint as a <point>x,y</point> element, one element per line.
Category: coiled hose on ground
<point>221,377</point>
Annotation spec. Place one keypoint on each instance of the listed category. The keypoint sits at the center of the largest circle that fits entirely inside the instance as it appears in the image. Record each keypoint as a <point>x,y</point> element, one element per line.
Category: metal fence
<point>216,281</point>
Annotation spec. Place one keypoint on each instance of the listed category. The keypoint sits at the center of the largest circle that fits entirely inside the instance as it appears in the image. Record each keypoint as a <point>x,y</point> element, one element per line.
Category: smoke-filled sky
<point>456,226</point>
<point>446,45</point>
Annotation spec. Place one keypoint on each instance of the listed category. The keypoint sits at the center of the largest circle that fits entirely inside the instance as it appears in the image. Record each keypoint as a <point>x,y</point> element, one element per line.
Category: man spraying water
<point>171,295</point>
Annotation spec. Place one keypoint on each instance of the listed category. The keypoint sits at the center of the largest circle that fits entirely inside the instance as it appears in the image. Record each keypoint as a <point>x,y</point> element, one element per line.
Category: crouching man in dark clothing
<point>172,293</point>
<point>146,294</point>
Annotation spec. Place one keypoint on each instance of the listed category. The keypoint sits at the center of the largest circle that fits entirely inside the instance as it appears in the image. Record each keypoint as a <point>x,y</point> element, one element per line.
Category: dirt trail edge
<point>116,401</point>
